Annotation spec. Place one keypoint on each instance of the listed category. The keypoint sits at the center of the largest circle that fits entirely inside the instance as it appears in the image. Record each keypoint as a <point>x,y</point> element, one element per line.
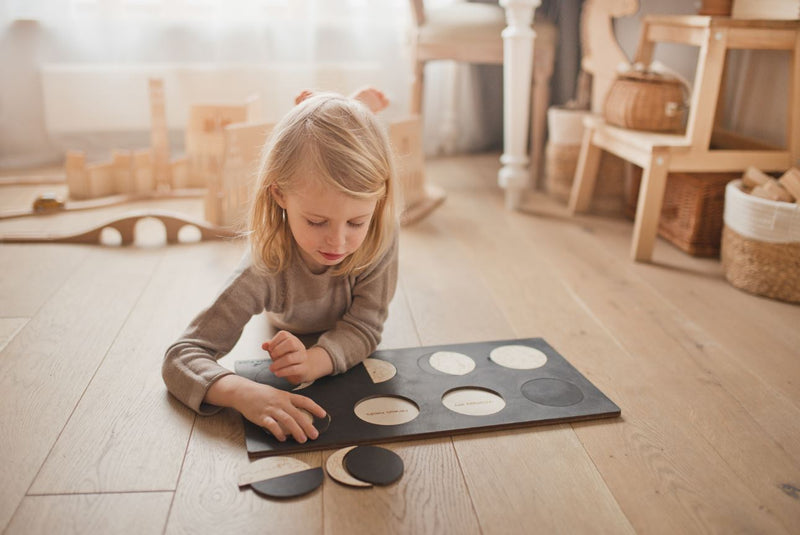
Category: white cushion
<point>473,24</point>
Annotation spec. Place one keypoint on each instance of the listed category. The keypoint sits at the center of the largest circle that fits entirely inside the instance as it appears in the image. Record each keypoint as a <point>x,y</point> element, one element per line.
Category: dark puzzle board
<point>552,393</point>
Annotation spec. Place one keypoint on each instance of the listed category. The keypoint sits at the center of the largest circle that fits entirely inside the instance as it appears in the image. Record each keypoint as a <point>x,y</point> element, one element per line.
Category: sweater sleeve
<point>358,332</point>
<point>190,364</point>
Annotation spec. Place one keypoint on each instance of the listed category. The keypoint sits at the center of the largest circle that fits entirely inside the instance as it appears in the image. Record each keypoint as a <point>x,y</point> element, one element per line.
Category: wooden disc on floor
<point>374,464</point>
<point>290,485</point>
<point>270,467</point>
<point>337,471</point>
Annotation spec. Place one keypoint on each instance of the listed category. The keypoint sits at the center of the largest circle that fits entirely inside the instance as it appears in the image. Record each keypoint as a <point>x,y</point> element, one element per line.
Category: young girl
<point>322,260</point>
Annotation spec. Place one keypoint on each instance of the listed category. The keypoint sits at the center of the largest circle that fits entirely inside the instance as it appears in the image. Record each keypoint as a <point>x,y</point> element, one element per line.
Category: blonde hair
<point>343,143</point>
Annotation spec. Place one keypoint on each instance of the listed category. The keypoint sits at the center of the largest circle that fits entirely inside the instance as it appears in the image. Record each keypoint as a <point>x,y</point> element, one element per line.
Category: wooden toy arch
<point>126,227</point>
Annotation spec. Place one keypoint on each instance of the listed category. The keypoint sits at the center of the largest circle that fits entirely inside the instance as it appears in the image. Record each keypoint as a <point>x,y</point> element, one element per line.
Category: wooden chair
<point>471,33</point>
<point>703,148</point>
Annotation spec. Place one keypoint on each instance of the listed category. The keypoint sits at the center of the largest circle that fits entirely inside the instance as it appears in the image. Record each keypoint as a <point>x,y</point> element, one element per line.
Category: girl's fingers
<point>273,427</point>
<point>292,426</point>
<point>292,369</point>
<point>308,404</point>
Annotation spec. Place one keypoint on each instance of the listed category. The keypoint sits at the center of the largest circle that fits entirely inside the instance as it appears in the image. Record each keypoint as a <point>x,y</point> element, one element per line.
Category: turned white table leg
<point>517,69</point>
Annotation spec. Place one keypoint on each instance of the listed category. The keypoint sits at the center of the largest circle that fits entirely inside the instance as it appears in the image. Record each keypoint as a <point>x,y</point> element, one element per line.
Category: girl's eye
<point>315,223</point>
<point>356,225</point>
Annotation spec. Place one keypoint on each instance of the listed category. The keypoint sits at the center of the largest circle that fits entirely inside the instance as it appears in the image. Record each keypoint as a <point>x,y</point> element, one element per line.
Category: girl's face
<point>327,224</point>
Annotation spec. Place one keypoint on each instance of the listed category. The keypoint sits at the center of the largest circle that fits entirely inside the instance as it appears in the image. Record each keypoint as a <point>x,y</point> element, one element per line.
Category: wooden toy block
<point>77,177</point>
<point>205,139</point>
<point>179,169</point>
<point>773,191</point>
<point>101,179</point>
<point>143,179</point>
<point>122,171</point>
<point>791,182</point>
<point>159,137</point>
<point>753,177</point>
<point>229,193</point>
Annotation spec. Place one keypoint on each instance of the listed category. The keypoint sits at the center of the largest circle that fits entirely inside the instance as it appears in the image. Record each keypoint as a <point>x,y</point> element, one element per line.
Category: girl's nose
<point>336,237</point>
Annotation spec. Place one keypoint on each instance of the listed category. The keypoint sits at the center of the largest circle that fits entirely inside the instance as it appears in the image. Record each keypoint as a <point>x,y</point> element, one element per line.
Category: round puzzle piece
<point>373,464</point>
<point>270,467</point>
<point>379,370</point>
<point>552,392</point>
<point>386,410</point>
<point>518,357</point>
<point>290,485</point>
<point>337,471</point>
<point>451,363</point>
<point>473,401</point>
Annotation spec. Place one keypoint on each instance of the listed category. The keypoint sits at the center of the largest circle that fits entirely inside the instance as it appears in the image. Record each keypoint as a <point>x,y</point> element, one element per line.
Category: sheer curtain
<point>75,71</point>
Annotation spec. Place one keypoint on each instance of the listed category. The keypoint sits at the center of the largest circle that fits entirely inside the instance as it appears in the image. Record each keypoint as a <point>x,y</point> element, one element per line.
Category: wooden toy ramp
<point>126,227</point>
<point>424,392</point>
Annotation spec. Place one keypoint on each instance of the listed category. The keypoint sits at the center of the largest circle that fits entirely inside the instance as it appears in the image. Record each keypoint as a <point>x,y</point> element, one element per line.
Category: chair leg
<point>539,103</point>
<point>648,206</point>
<point>585,174</point>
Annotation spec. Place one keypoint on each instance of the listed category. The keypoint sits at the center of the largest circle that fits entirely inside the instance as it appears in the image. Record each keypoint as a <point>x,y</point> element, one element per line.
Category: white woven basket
<point>761,244</point>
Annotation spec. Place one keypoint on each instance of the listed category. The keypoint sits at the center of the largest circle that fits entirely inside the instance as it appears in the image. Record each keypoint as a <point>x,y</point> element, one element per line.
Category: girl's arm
<point>357,334</point>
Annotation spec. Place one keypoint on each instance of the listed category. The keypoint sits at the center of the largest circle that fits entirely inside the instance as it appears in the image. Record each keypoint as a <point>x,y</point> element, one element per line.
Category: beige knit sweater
<point>349,311</point>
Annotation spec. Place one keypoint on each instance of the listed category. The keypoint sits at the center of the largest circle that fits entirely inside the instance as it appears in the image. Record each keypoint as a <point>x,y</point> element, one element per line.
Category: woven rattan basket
<point>646,101</point>
<point>691,213</point>
<point>761,245</point>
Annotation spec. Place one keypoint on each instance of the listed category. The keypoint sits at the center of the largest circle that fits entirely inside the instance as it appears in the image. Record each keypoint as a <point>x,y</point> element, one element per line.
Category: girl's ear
<point>277,194</point>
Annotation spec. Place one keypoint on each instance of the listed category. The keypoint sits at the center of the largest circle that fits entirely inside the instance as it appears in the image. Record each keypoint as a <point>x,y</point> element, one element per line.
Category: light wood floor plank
<point>127,433</point>
<point>81,514</point>
<point>760,333</point>
<point>32,274</point>
<point>45,369</point>
<point>9,327</point>
<point>208,499</point>
<point>431,496</point>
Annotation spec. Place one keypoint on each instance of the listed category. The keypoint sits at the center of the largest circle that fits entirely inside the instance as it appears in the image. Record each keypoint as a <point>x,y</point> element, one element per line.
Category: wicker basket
<point>646,101</point>
<point>761,245</point>
<point>560,164</point>
<point>691,213</point>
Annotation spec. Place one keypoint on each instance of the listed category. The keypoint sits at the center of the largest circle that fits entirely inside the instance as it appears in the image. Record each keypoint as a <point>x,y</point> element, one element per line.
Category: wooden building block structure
<point>230,188</point>
<point>141,171</point>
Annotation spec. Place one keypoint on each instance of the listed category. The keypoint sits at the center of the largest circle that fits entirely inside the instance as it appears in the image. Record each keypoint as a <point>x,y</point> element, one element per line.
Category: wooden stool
<point>660,154</point>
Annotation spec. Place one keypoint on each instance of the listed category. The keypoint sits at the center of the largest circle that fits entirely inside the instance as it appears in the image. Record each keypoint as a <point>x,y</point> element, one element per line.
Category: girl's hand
<point>291,359</point>
<point>280,412</point>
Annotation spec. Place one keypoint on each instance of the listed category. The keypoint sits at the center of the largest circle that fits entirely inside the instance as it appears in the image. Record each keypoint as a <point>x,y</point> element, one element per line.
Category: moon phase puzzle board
<point>422,392</point>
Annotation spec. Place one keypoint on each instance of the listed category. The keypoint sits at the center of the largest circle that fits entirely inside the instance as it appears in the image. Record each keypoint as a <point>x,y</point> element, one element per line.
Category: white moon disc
<point>473,401</point>
<point>270,467</point>
<point>336,469</point>
<point>518,357</point>
<point>379,370</point>
<point>386,410</point>
<point>451,362</point>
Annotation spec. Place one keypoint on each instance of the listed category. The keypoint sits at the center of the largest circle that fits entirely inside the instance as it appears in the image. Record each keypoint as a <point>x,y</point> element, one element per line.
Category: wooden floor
<point>707,377</point>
